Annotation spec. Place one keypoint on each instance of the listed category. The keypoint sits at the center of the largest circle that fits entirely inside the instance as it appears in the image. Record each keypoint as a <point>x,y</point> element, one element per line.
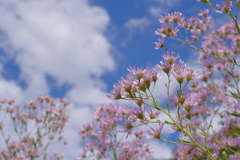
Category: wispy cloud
<point>136,24</point>
<point>162,6</point>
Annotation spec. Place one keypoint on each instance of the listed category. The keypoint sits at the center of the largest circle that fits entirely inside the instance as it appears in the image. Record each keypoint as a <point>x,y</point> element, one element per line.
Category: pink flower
<point>138,72</point>
<point>138,113</point>
<point>165,67</point>
<point>167,30</point>
<point>226,8</point>
<point>160,43</point>
<point>152,115</point>
<point>203,12</point>
<point>155,133</point>
<point>171,57</point>
<point>165,19</point>
<point>116,93</point>
<point>177,17</point>
<point>191,75</point>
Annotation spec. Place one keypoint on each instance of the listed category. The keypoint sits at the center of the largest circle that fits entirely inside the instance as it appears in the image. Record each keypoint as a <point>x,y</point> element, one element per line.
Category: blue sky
<point>79,48</point>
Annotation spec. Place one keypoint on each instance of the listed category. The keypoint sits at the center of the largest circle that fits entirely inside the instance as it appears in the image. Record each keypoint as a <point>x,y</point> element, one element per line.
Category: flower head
<point>160,43</point>
<point>152,115</point>
<point>170,58</point>
<point>138,72</point>
<point>177,17</point>
<point>155,133</point>
<point>226,8</point>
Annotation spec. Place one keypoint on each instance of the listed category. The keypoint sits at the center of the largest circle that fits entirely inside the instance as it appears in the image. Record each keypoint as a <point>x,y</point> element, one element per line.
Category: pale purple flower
<point>226,8</point>
<point>138,72</point>
<point>230,141</point>
<point>167,30</point>
<point>165,67</point>
<point>203,12</point>
<point>139,134</point>
<point>111,120</point>
<point>171,57</point>
<point>177,17</point>
<point>179,74</point>
<point>116,93</point>
<point>153,115</point>
<point>137,113</point>
<point>128,83</point>
<point>165,19</point>
<point>159,44</point>
<point>155,133</point>
<point>191,75</point>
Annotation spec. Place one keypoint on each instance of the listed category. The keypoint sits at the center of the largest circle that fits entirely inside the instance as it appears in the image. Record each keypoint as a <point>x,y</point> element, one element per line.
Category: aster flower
<point>116,93</point>
<point>165,19</point>
<point>160,43</point>
<point>190,102</point>
<point>155,75</point>
<point>138,72</point>
<point>155,133</point>
<point>203,12</point>
<point>152,115</point>
<point>226,8</point>
<point>139,134</point>
<point>167,30</point>
<point>165,67</point>
<point>128,83</point>
<point>230,141</point>
<point>191,75</point>
<point>177,17</point>
<point>180,66</point>
<point>170,57</point>
<point>179,74</point>
<point>137,113</point>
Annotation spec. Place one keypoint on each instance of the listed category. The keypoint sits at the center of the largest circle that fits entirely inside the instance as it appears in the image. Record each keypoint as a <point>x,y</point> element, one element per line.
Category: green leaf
<point>224,156</point>
<point>185,142</point>
<point>234,94</point>
<point>237,115</point>
<point>166,122</point>
<point>237,128</point>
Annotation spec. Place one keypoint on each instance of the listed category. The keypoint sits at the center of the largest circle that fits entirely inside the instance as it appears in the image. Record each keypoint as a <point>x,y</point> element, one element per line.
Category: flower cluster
<point>212,99</point>
<point>37,125</point>
<point>139,81</point>
<point>104,136</point>
<point>206,113</point>
<point>171,24</point>
<point>178,70</point>
<point>214,93</point>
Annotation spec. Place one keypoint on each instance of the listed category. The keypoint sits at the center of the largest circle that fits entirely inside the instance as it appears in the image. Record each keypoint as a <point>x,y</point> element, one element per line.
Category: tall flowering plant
<point>207,110</point>
<point>34,127</point>
<point>105,136</point>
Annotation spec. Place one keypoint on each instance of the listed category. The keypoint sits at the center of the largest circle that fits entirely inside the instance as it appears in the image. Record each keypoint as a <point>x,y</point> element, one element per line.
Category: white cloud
<point>156,11</point>
<point>62,39</point>
<point>10,89</point>
<point>162,7</point>
<point>137,23</point>
<point>161,150</point>
<point>169,3</point>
